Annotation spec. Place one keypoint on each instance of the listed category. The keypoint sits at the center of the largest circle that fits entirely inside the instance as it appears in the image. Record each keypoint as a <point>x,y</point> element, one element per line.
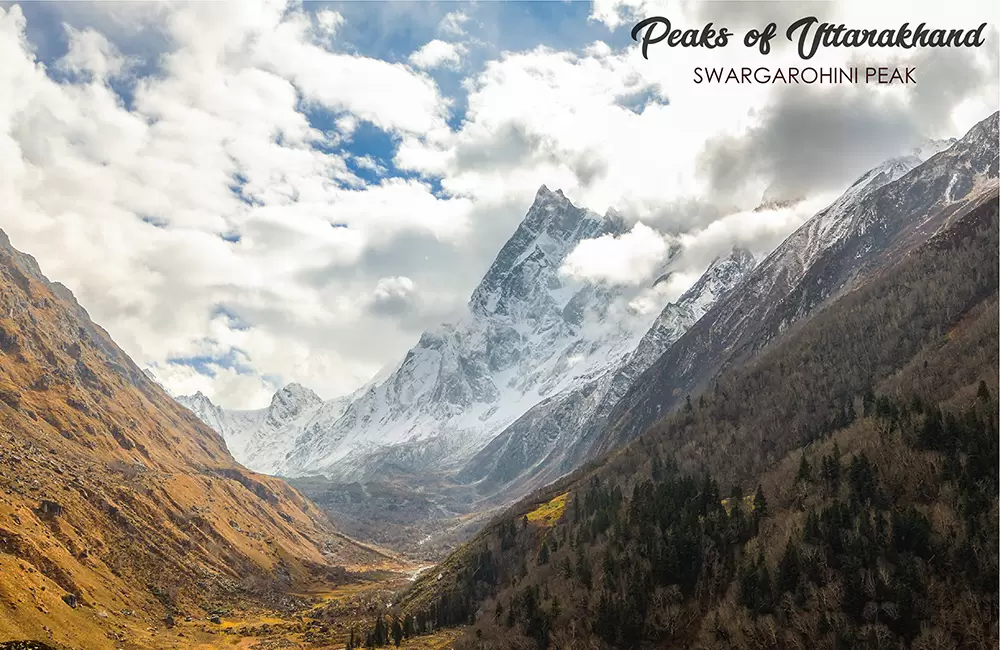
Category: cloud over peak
<point>629,259</point>
<point>307,189</point>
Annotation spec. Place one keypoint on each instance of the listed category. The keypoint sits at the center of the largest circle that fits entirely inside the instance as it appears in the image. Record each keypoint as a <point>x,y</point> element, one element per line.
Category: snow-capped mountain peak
<point>291,401</point>
<point>259,438</point>
<point>212,415</point>
<point>549,438</point>
<point>929,148</point>
<point>529,334</point>
<point>532,338</point>
<point>526,269</point>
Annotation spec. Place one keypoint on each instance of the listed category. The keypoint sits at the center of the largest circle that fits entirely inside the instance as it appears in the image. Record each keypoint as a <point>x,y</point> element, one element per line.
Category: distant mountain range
<point>532,336</point>
<point>870,331</point>
<point>879,219</point>
<point>529,385</point>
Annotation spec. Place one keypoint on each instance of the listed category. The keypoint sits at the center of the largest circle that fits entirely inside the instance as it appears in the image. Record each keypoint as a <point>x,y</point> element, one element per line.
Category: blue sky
<point>389,31</point>
<point>256,193</point>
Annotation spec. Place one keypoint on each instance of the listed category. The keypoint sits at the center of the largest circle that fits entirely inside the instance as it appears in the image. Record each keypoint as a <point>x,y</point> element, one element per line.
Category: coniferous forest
<point>849,551</point>
<point>838,491</point>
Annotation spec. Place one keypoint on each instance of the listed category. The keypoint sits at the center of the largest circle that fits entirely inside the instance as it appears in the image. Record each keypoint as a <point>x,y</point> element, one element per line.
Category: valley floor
<point>320,620</point>
<point>423,518</point>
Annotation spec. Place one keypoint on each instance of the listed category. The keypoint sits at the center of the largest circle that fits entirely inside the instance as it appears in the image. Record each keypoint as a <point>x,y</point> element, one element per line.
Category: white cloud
<point>453,24</point>
<point>156,180</point>
<point>347,124</point>
<point>329,22</point>
<point>90,53</point>
<point>629,259</point>
<point>369,163</point>
<point>284,274</point>
<point>437,54</point>
<point>759,230</point>
<point>614,13</point>
<point>224,384</point>
<point>394,295</point>
<point>395,206</point>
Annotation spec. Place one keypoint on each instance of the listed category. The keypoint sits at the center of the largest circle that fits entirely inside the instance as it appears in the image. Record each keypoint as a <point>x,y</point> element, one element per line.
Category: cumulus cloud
<point>759,230</point>
<point>453,23</point>
<point>628,259</point>
<point>90,53</point>
<point>329,22</point>
<point>437,54</point>
<point>213,187</point>
<point>394,296</point>
<point>225,385</point>
<point>558,117</point>
<point>398,205</point>
<point>264,188</point>
<point>369,163</point>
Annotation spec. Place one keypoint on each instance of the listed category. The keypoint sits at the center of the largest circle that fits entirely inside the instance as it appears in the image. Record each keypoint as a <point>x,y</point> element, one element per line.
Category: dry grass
<point>155,518</point>
<point>549,513</point>
<point>748,503</point>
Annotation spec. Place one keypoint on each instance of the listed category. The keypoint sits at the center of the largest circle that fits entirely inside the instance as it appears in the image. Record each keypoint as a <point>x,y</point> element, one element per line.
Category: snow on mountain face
<point>832,224</point>
<point>537,356</point>
<point>543,444</point>
<point>525,272</point>
<point>789,262</point>
<point>212,415</point>
<point>529,333</point>
<point>260,438</point>
<point>721,277</point>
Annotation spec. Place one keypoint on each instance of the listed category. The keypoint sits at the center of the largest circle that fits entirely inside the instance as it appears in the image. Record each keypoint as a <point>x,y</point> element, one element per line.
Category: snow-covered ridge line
<point>548,440</point>
<point>530,333</point>
<point>531,337</point>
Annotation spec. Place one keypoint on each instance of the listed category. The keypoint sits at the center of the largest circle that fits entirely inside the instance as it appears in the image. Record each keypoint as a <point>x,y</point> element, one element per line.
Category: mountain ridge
<point>119,509</point>
<point>552,425</point>
<point>778,293</point>
<point>858,452</point>
<point>565,426</point>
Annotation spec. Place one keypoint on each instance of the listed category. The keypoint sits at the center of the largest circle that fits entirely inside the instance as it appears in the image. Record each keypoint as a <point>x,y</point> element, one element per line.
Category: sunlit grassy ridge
<point>549,513</point>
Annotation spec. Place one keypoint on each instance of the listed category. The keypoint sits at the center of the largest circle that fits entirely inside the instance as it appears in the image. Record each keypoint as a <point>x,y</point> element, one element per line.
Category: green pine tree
<point>543,553</point>
<point>397,631</point>
<point>788,569</point>
<point>759,503</point>
<point>805,471</point>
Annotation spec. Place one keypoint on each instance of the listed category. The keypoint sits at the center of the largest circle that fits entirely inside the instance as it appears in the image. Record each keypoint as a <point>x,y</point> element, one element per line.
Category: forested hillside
<point>837,491</point>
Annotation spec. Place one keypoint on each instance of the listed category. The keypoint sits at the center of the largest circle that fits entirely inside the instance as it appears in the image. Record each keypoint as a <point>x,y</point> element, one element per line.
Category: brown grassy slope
<point>114,498</point>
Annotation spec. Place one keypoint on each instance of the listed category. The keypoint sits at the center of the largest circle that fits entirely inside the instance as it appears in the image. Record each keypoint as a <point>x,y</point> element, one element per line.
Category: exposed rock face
<point>544,373</point>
